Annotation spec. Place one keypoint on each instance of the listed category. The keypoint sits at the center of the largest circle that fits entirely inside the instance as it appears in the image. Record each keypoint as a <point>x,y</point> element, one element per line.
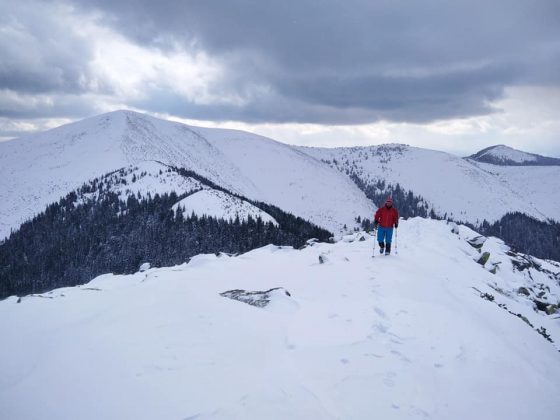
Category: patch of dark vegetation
<point>77,239</point>
<point>526,234</point>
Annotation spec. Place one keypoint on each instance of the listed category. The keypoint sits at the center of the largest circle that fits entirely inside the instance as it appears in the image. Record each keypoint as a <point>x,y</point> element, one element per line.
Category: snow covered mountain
<point>39,169</point>
<point>440,331</point>
<point>458,188</point>
<point>151,177</point>
<point>150,211</point>
<point>508,156</point>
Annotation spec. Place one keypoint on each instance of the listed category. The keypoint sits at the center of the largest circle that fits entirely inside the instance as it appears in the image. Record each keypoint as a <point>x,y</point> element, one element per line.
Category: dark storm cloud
<point>346,61</point>
<point>39,52</point>
<point>323,61</point>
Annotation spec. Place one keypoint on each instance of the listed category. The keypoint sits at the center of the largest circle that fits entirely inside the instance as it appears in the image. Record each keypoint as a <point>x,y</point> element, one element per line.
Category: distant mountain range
<point>507,156</point>
<point>448,186</point>
<point>39,169</point>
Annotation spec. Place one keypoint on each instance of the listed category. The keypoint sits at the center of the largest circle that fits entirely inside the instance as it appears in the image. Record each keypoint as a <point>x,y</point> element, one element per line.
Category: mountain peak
<point>48,165</point>
<point>503,155</point>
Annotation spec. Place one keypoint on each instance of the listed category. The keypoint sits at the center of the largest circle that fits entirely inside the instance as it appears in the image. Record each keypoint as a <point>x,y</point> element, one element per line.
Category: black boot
<point>381,247</point>
<point>388,250</point>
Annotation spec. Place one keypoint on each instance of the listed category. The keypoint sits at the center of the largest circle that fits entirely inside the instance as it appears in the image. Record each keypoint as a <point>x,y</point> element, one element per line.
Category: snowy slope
<point>39,169</point>
<point>537,185</point>
<point>221,205</point>
<point>508,156</point>
<point>156,178</point>
<point>464,190</point>
<point>143,178</point>
<point>403,337</point>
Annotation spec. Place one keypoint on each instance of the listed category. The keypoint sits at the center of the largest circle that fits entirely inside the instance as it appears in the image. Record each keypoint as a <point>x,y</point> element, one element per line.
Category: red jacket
<point>387,217</point>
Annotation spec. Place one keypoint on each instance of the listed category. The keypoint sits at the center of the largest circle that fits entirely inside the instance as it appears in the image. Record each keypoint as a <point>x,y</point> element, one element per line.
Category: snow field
<point>400,337</point>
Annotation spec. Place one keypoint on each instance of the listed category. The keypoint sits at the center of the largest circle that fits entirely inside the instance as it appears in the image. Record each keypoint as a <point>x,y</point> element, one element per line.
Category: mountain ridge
<point>453,187</point>
<point>46,166</point>
<point>330,187</point>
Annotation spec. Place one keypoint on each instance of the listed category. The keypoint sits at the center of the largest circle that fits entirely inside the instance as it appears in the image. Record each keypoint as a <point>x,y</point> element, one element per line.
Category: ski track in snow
<point>399,337</point>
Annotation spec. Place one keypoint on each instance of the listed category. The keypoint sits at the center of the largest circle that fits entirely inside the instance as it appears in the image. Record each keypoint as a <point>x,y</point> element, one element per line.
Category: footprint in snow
<point>401,356</point>
<point>382,328</point>
<point>389,379</point>
<point>380,312</point>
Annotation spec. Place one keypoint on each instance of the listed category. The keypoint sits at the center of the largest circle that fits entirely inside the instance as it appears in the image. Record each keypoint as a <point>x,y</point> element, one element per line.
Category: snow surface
<point>39,169</point>
<point>464,190</point>
<point>400,337</point>
<point>539,186</point>
<point>218,204</point>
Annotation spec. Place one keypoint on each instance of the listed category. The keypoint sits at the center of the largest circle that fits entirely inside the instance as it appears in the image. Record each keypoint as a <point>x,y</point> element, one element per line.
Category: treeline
<point>527,235</point>
<point>75,240</point>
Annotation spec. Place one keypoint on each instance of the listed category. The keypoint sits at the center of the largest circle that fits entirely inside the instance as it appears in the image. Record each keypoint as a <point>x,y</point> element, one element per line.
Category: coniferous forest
<point>528,235</point>
<point>74,240</point>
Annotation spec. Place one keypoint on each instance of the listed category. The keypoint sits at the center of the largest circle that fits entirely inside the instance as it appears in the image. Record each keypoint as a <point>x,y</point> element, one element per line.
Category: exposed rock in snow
<point>258,299</point>
<point>144,267</point>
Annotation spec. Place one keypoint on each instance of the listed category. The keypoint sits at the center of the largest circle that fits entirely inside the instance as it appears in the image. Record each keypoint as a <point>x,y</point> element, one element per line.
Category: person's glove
<point>396,225</point>
<point>375,224</point>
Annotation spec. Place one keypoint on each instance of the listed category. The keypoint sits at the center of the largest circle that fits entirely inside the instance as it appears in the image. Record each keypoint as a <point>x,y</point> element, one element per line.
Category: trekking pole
<point>396,242</point>
<point>374,240</point>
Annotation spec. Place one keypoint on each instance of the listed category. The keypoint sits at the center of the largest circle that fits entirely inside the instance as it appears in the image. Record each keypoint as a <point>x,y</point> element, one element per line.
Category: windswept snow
<point>37,170</point>
<point>400,337</point>
<point>221,205</point>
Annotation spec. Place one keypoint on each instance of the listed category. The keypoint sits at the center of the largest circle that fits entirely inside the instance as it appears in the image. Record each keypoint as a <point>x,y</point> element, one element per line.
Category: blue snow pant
<point>384,235</point>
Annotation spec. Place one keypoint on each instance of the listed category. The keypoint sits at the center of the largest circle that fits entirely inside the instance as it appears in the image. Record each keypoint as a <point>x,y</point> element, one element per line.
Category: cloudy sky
<point>453,75</point>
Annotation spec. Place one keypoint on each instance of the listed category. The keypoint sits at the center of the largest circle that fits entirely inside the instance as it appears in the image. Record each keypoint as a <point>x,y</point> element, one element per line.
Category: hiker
<point>385,218</point>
